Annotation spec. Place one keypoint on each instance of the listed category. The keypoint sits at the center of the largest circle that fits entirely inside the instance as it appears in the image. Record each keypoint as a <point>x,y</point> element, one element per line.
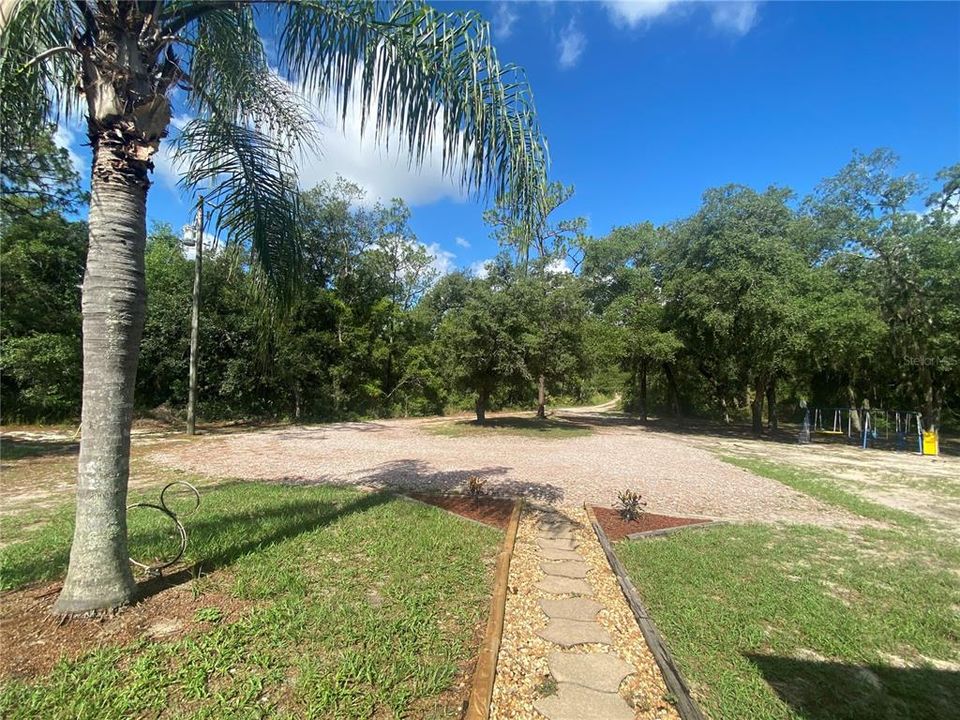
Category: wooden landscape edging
<point>676,684</point>
<point>669,530</point>
<point>485,672</point>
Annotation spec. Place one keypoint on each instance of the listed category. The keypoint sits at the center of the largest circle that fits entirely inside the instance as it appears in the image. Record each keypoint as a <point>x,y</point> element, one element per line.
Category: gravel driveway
<point>673,473</point>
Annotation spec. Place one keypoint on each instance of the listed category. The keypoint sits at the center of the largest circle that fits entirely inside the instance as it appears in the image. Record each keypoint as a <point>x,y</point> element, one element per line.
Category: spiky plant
<point>127,66</point>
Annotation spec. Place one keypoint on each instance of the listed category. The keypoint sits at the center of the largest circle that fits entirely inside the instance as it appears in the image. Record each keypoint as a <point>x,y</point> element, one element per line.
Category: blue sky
<point>645,105</point>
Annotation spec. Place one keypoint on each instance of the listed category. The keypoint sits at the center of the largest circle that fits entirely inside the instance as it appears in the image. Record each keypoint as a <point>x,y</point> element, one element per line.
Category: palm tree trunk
<point>114,293</point>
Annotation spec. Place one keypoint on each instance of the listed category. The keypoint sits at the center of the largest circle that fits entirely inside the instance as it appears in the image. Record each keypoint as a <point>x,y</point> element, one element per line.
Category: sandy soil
<point>675,475</point>
<point>924,485</point>
<point>677,472</point>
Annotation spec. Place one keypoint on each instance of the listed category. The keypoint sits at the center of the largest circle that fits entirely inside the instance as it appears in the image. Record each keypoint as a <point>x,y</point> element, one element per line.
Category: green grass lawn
<point>549,428</point>
<point>772,621</point>
<point>359,606</point>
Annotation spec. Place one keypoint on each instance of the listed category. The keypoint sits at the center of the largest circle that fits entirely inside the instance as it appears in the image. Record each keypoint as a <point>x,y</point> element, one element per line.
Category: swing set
<point>875,425</point>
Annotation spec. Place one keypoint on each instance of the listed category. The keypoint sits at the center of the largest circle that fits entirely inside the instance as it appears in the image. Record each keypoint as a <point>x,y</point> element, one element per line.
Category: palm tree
<point>126,66</point>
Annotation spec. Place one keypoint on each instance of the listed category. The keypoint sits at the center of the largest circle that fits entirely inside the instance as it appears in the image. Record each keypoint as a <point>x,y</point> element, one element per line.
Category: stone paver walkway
<point>587,683</point>
<point>571,648</point>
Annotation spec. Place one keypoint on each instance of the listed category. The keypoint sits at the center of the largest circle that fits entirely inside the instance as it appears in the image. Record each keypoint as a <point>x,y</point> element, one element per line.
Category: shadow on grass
<point>215,541</point>
<point>15,448</point>
<point>517,425</point>
<point>530,423</point>
<point>283,522</point>
<point>836,691</point>
<point>418,475</point>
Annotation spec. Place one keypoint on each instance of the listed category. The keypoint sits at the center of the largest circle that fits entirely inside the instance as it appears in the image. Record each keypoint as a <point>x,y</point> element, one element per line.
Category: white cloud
<point>66,138</point>
<point>462,242</point>
<point>379,165</point>
<point>571,45</point>
<point>559,266</point>
<point>632,13</point>
<point>165,168</point>
<point>503,20</point>
<point>480,268</point>
<point>442,259</point>
<point>734,17</point>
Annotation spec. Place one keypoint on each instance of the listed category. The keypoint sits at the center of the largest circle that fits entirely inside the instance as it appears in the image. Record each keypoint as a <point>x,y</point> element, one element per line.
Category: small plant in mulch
<point>630,505</point>
<point>475,485</point>
<point>547,687</point>
<point>208,614</point>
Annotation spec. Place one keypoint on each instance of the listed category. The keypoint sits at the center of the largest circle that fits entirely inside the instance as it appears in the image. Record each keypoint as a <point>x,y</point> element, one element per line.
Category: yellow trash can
<point>931,446</point>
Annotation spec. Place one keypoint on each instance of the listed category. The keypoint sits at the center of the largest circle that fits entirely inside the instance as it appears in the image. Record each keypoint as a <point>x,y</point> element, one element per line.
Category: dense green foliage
<point>844,298</point>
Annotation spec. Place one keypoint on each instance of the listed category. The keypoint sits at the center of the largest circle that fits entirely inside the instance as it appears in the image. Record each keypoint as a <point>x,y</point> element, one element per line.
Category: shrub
<point>475,485</point>
<point>630,504</point>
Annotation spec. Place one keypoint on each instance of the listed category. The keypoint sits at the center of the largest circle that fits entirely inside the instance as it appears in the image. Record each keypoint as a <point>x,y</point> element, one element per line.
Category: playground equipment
<point>875,426</point>
<point>837,427</point>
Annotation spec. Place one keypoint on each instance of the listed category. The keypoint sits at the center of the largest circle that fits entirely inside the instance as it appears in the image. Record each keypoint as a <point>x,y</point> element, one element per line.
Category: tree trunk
<point>482,396</point>
<point>643,391</point>
<point>725,411</point>
<point>114,294</point>
<point>854,414</point>
<point>672,391</point>
<point>773,421</point>
<point>541,398</point>
<point>759,390</point>
<point>929,405</point>
<point>296,402</point>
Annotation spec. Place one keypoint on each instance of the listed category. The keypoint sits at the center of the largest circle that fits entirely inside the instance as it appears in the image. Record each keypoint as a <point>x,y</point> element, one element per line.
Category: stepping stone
<point>568,633</point>
<point>564,586</point>
<point>558,534</point>
<point>598,671</point>
<point>556,543</point>
<point>571,608</point>
<point>567,568</point>
<point>554,523</point>
<point>574,702</point>
<point>556,554</point>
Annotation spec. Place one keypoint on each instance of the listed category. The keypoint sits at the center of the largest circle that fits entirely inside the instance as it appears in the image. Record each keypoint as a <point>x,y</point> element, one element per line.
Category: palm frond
<point>231,79</point>
<point>422,72</point>
<point>39,66</point>
<point>252,192</point>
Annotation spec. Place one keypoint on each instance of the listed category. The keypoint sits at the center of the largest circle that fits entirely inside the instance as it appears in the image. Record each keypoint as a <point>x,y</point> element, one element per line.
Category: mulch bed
<point>617,528</point>
<point>487,510</point>
<point>34,640</point>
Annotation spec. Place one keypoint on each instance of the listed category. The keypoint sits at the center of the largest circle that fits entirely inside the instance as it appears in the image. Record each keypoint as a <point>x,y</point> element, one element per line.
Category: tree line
<point>755,303</point>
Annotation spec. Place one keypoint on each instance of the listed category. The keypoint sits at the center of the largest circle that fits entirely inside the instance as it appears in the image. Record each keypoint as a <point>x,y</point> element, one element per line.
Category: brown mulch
<point>617,528</point>
<point>34,640</point>
<point>487,510</point>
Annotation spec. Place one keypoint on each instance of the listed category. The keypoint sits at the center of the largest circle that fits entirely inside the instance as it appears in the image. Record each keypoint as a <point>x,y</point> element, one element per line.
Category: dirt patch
<point>617,528</point>
<point>34,640</point>
<point>402,455</point>
<point>920,484</point>
<point>489,511</point>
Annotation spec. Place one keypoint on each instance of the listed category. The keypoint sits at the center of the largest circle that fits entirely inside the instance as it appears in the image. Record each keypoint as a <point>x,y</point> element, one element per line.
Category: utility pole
<point>195,324</point>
